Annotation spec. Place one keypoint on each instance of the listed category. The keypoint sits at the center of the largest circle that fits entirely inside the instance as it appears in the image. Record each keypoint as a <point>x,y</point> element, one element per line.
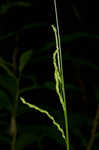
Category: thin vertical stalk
<point>61,72</point>
<point>13,127</point>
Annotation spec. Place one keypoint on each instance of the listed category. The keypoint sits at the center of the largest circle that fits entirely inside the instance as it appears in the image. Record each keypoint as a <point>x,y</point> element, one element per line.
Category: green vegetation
<point>21,81</point>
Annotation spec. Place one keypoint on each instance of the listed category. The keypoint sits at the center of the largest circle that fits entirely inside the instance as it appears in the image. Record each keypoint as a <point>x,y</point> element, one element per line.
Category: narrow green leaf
<point>24,59</point>
<point>4,65</point>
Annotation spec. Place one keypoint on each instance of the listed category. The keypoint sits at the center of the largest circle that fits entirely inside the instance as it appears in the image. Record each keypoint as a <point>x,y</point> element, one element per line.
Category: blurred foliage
<point>29,131</point>
<point>5,7</point>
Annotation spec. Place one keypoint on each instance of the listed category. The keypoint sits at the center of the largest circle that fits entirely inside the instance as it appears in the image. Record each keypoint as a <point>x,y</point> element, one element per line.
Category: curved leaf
<point>24,60</point>
<point>4,65</point>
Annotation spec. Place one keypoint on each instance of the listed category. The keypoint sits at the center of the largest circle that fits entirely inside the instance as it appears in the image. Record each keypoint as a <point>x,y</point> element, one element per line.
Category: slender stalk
<point>13,128</point>
<point>61,72</point>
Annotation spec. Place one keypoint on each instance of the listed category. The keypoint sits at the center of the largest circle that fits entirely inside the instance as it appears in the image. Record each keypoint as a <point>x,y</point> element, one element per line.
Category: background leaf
<point>8,87</point>
<point>24,60</point>
<point>5,66</point>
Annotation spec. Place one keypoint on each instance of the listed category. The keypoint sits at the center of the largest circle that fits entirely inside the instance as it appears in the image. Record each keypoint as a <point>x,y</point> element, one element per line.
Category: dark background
<point>29,27</point>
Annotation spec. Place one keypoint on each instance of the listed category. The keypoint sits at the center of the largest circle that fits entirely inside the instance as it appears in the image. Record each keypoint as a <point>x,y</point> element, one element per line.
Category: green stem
<point>61,73</point>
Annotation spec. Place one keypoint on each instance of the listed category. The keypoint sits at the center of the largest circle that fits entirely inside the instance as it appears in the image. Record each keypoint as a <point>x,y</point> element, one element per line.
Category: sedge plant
<point>60,89</point>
